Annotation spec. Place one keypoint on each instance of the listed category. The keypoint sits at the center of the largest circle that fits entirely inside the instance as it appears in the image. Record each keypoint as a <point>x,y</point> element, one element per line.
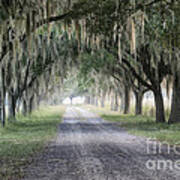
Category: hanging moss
<point>133,37</point>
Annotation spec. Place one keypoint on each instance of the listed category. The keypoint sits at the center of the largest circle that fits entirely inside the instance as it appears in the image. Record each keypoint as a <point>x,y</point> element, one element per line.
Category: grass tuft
<point>142,125</point>
<point>21,140</point>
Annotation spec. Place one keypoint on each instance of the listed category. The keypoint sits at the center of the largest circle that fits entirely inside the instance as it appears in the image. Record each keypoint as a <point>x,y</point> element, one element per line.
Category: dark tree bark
<point>139,99</point>
<point>0,106</point>
<point>11,107</point>
<point>3,98</point>
<point>175,106</point>
<point>153,76</point>
<point>1,110</point>
<point>127,98</point>
<point>31,104</point>
<point>160,114</point>
<point>24,107</point>
<point>71,98</point>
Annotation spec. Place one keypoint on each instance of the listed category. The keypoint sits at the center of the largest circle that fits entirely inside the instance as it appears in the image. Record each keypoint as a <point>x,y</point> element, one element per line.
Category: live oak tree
<point>150,57</point>
<point>172,44</point>
<point>138,31</point>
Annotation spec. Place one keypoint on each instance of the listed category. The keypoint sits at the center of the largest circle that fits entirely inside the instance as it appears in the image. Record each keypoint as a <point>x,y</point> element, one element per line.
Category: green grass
<point>21,140</point>
<point>142,125</point>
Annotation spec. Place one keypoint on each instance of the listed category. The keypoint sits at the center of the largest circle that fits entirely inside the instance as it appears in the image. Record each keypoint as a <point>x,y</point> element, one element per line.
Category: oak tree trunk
<point>160,115</point>
<point>11,107</point>
<point>31,105</point>
<point>175,106</point>
<point>3,98</point>
<point>138,105</point>
<point>127,97</point>
<point>24,107</point>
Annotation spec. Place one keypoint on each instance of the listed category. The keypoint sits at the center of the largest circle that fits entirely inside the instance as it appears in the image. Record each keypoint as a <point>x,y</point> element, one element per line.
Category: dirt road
<point>88,148</point>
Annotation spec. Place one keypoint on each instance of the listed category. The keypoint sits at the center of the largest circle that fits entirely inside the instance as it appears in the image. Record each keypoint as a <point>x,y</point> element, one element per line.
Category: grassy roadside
<point>28,135</point>
<point>141,125</point>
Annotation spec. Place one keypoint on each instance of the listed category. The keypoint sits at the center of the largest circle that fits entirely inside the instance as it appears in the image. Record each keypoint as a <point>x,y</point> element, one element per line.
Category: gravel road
<point>89,148</point>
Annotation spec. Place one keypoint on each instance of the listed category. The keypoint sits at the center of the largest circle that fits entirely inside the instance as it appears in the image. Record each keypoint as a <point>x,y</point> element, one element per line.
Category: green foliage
<point>72,87</point>
<point>96,61</point>
<point>95,70</point>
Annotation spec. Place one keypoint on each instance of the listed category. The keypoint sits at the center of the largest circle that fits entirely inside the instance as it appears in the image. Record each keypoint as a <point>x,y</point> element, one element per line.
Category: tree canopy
<point>115,46</point>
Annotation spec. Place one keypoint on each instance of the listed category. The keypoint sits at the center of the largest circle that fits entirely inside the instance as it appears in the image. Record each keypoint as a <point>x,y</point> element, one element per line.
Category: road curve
<point>89,148</point>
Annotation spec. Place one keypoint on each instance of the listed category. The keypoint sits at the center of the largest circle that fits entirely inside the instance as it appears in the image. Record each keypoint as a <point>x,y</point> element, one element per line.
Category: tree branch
<point>144,83</point>
<point>53,19</point>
